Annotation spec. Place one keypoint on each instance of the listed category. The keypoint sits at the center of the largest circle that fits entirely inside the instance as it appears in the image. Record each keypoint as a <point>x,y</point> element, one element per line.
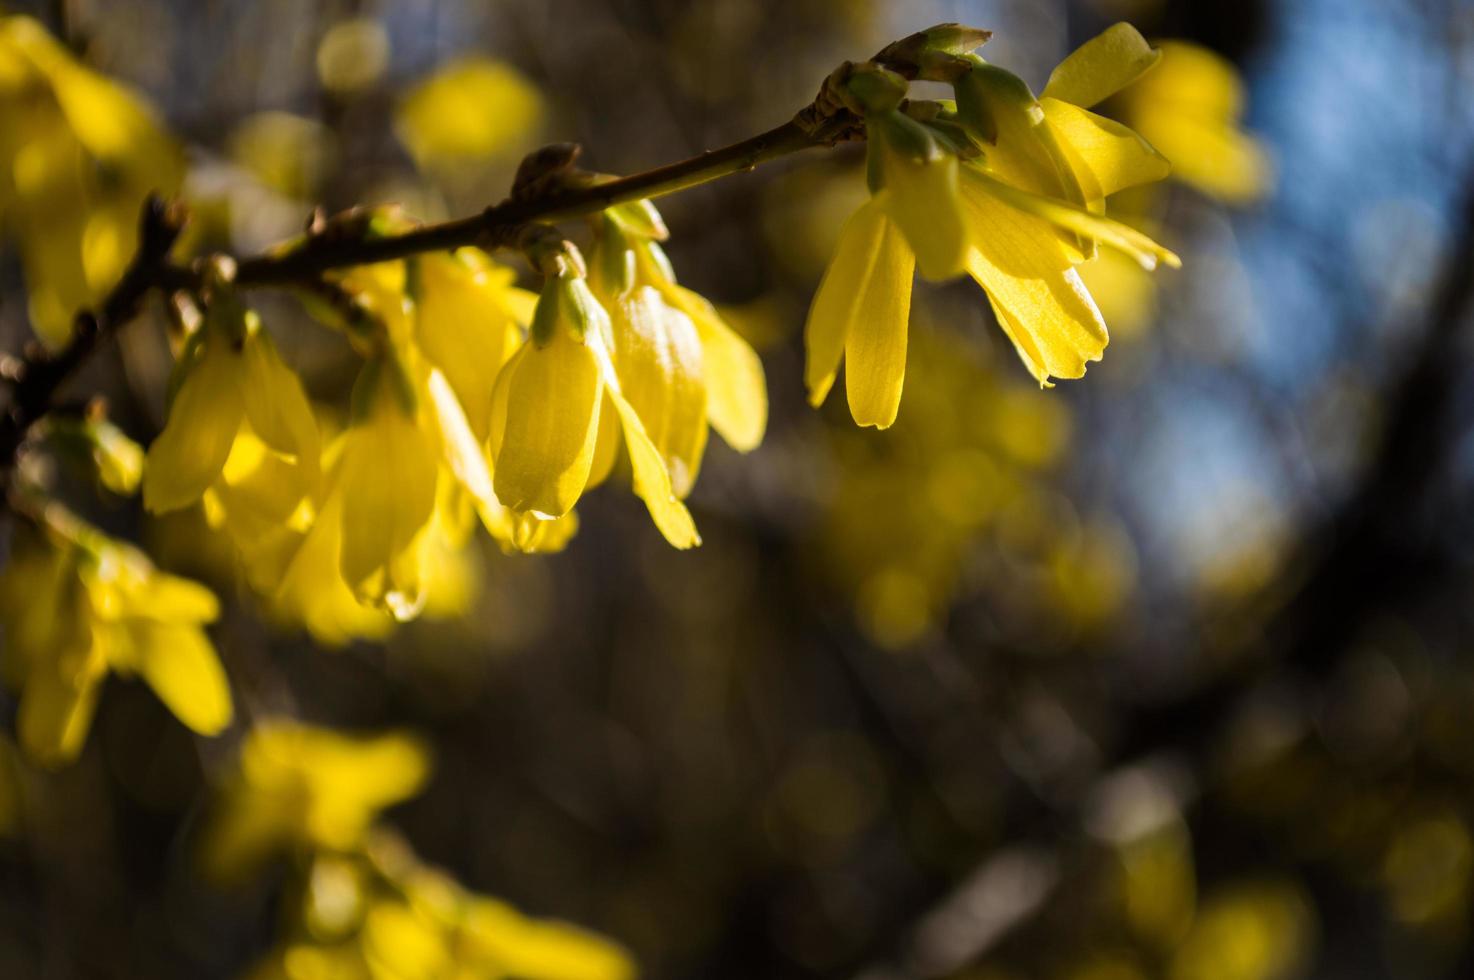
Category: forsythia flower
<point>75,605</point>
<point>380,913</point>
<point>239,423</point>
<point>680,365</point>
<point>78,154</point>
<point>298,786</point>
<point>1005,186</point>
<point>1190,108</point>
<point>736,395</point>
<point>546,414</point>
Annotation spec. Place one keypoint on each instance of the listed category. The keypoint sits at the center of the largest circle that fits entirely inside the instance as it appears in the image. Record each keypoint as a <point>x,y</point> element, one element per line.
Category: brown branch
<point>36,377</point>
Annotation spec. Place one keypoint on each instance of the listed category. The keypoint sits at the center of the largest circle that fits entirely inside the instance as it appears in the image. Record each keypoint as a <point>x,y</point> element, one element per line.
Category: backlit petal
<point>203,420</point>
<point>736,392</point>
<point>651,479</point>
<point>923,200</point>
<point>1040,301</point>
<point>552,414</point>
<point>861,310</point>
<point>1105,155</point>
<point>657,355</point>
<point>1102,66</point>
<point>180,665</point>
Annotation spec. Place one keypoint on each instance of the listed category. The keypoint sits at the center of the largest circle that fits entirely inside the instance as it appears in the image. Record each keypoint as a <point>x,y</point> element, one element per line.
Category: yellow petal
<point>171,599</point>
<point>55,714</point>
<point>1139,246</point>
<point>387,478</point>
<point>736,391</point>
<point>1102,66</point>
<point>657,355</point>
<point>651,479</point>
<point>1210,154</point>
<point>923,200</point>
<point>459,446</point>
<point>1105,155</point>
<point>606,447</point>
<point>1040,301</point>
<point>180,665</point>
<point>311,592</point>
<point>861,310</point>
<point>461,325</point>
<point>277,408</point>
<point>203,420</point>
<point>547,441</point>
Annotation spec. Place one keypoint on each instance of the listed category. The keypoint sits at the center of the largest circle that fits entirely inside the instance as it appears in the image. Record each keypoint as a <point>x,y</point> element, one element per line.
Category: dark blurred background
<point>1163,673</point>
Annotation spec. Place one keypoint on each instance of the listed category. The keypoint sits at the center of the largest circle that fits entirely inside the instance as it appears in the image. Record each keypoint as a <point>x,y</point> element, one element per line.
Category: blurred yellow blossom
<point>303,787</point>
<point>467,112</point>
<point>1191,108</point>
<point>379,914</point>
<point>78,154</point>
<point>352,55</point>
<point>76,605</point>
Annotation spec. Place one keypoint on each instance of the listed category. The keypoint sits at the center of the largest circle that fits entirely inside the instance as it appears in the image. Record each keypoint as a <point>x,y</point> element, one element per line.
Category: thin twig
<point>36,377</point>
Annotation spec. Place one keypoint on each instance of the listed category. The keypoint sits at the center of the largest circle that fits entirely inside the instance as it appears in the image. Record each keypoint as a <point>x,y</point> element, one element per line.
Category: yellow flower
<point>629,261</point>
<point>468,320</point>
<point>78,154</point>
<point>546,416</point>
<point>298,786</point>
<point>237,408</point>
<point>1028,199</point>
<point>657,350</point>
<point>76,605</point>
<point>378,912</point>
<point>385,487</point>
<point>1191,108</point>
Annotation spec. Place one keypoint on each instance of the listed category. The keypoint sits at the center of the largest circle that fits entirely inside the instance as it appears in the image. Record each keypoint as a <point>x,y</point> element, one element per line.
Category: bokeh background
<point>1162,673</point>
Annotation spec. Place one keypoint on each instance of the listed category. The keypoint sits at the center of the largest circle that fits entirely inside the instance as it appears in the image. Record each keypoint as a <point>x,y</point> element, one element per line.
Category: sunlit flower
<point>237,408</point>
<point>1029,186</point>
<point>546,416</point>
<point>77,605</point>
<point>629,260</point>
<point>657,349</point>
<point>298,786</point>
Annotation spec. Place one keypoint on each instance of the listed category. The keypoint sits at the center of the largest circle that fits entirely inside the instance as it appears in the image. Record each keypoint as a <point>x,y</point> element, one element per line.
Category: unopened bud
<point>950,39</point>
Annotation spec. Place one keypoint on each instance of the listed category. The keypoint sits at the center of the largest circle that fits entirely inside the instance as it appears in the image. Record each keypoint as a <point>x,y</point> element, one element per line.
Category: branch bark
<point>36,377</point>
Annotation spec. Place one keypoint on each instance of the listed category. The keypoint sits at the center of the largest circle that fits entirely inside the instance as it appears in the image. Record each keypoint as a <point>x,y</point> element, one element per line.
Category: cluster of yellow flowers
<point>82,154</point>
<point>365,907</point>
<point>999,184</point>
<point>477,400</point>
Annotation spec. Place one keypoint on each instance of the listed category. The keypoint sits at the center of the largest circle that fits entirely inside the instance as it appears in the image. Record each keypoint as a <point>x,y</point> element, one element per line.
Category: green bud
<point>613,268</point>
<point>896,132</point>
<point>904,136</point>
<point>639,219</point>
<point>875,89</point>
<point>943,38</point>
<point>545,314</point>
